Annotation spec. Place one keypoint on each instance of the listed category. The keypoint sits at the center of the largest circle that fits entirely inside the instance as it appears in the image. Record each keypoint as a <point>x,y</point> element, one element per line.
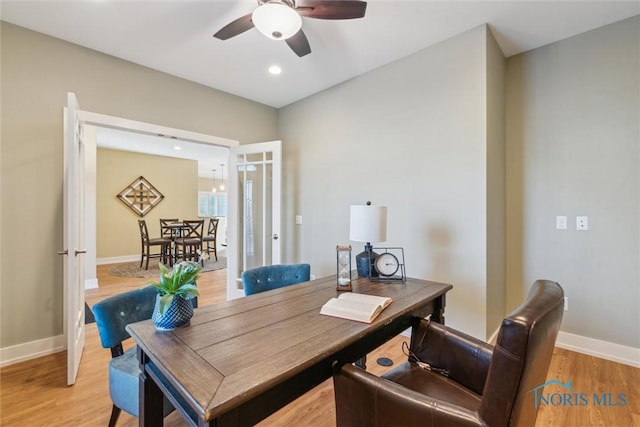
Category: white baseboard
<point>598,348</point>
<point>494,337</point>
<point>91,283</point>
<point>31,350</point>
<point>130,258</point>
<point>117,259</point>
<point>593,347</point>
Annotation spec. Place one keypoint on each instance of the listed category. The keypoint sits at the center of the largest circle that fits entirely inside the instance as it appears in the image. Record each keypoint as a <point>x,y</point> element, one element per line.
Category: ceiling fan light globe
<point>276,20</point>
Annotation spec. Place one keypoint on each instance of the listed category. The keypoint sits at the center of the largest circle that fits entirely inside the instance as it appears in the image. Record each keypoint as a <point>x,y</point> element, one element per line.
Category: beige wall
<point>205,184</point>
<point>37,72</point>
<point>411,135</point>
<point>573,142</point>
<point>117,232</point>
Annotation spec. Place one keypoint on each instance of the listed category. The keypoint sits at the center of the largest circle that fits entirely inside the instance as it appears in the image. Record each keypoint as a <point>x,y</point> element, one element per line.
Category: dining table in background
<point>176,232</point>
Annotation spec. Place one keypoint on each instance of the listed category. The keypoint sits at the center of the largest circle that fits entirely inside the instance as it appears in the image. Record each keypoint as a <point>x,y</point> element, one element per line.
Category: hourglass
<point>344,267</point>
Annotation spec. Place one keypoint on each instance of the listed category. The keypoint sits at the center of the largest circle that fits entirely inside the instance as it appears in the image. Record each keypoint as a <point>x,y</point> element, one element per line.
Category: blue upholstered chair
<point>112,315</point>
<point>269,277</point>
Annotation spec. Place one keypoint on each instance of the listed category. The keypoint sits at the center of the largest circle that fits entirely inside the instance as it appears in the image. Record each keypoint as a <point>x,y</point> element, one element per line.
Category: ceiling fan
<point>282,19</point>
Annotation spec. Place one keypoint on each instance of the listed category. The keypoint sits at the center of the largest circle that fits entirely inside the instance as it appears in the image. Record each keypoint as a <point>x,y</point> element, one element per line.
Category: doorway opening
<point>129,135</point>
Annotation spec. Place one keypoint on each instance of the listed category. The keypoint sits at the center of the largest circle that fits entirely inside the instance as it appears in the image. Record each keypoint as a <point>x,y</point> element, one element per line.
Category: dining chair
<point>190,244</point>
<point>169,231</point>
<point>147,243</point>
<point>269,277</point>
<point>210,238</point>
<point>453,379</point>
<point>165,230</point>
<point>112,315</point>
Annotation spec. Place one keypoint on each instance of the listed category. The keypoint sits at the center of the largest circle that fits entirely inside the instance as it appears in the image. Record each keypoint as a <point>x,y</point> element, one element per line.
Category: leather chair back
<point>522,356</point>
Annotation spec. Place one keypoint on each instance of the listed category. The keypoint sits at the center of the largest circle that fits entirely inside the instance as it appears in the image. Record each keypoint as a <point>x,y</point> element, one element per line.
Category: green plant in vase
<point>176,287</point>
<point>177,282</point>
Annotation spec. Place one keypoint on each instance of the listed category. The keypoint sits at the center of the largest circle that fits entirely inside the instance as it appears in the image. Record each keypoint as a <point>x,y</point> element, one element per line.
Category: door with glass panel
<point>254,201</point>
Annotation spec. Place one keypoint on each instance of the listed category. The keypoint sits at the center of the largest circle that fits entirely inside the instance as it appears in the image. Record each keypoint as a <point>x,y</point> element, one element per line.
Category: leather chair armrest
<point>363,399</point>
<point>466,358</point>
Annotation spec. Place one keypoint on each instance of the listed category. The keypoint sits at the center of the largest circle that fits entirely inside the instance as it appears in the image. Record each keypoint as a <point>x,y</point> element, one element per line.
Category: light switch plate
<point>561,223</point>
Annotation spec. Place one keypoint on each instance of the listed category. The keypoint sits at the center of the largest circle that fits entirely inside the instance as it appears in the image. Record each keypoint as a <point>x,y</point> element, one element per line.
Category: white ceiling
<point>209,157</point>
<point>176,37</point>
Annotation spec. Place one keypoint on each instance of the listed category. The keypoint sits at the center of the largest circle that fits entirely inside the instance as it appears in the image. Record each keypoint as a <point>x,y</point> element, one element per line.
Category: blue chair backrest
<point>269,277</point>
<point>113,314</point>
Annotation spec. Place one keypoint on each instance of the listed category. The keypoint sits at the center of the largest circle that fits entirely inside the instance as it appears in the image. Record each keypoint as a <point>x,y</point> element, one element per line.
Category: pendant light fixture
<point>213,189</point>
<point>222,177</point>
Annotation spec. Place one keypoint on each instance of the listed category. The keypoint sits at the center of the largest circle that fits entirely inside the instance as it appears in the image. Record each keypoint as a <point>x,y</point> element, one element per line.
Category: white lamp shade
<point>368,223</point>
<point>276,20</point>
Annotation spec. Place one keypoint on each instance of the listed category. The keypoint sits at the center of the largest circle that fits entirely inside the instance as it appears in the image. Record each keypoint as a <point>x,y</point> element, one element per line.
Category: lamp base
<point>365,262</point>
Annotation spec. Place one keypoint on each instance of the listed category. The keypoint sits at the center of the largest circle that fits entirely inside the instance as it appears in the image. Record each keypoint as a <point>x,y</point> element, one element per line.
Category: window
<point>212,204</point>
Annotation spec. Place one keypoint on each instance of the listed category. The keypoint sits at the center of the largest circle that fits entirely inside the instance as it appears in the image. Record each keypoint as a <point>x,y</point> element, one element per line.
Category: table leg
<point>438,312</point>
<point>150,397</point>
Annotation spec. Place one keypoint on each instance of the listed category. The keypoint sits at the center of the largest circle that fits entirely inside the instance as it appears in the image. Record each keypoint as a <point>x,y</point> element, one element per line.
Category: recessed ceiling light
<point>177,147</point>
<point>275,70</point>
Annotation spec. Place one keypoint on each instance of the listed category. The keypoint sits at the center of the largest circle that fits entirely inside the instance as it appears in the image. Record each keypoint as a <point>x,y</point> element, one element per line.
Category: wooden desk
<point>242,360</point>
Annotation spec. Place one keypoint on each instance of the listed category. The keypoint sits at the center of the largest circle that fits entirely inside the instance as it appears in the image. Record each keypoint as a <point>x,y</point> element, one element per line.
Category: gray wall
<point>37,72</point>
<point>496,186</point>
<point>573,114</point>
<point>411,135</point>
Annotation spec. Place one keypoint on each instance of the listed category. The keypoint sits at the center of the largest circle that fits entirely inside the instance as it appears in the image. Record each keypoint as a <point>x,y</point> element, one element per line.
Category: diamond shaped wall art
<point>140,196</point>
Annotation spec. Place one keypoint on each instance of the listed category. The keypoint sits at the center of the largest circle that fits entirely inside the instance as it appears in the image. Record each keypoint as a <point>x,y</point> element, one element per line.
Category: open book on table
<point>360,307</point>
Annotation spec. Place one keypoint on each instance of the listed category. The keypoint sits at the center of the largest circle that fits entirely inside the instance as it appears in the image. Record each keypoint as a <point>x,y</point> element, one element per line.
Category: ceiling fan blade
<point>299,44</point>
<point>331,9</point>
<point>236,27</point>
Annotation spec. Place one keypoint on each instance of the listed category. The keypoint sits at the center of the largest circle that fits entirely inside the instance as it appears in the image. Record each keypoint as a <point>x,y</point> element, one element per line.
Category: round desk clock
<point>387,264</point>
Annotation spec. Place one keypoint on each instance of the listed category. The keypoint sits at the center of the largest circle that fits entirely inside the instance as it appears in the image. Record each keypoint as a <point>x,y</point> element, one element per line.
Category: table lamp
<point>368,224</point>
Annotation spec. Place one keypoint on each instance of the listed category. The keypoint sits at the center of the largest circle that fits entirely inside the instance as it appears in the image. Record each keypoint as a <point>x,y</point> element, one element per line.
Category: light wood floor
<point>34,393</point>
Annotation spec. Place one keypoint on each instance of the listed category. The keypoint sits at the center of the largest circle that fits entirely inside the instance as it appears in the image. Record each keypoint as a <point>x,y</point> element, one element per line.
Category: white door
<point>73,196</point>
<point>253,232</point>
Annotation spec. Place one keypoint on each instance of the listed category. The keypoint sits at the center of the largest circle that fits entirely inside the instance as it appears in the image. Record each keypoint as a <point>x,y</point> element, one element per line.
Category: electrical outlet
<point>582,223</point>
<point>566,303</point>
<point>298,219</point>
<point>561,223</point>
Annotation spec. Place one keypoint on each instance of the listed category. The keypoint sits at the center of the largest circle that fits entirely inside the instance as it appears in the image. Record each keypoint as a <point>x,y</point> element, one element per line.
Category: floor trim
<point>593,347</point>
<point>117,259</point>
<point>31,350</point>
<point>598,348</point>
<point>91,284</point>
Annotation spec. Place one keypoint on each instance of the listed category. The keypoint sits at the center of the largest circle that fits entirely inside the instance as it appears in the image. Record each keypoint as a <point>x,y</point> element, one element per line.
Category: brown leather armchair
<point>482,385</point>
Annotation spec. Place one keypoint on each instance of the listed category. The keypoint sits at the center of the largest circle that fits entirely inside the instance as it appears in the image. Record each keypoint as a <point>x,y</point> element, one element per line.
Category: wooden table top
<point>235,350</point>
